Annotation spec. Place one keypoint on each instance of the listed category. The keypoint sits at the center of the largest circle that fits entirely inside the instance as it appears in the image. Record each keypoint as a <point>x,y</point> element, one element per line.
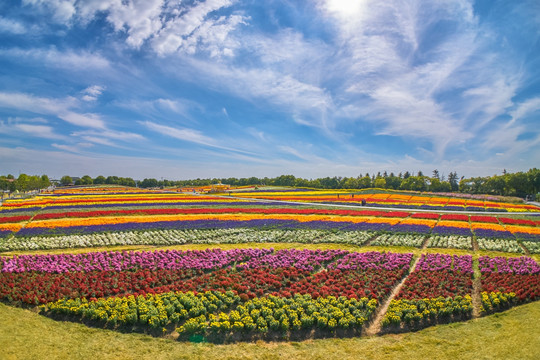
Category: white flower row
<point>176,237</point>
<point>399,240</point>
<point>533,247</point>
<point>453,241</point>
<point>499,245</point>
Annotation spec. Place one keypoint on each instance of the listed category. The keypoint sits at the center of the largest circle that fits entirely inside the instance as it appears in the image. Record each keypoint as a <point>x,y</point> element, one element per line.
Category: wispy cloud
<point>92,93</point>
<point>11,26</point>
<point>189,135</point>
<point>22,127</point>
<point>48,106</point>
<point>52,57</point>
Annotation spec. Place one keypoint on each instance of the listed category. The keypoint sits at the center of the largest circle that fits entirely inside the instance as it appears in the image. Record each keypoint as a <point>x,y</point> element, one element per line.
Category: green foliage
<point>497,301</point>
<point>66,180</point>
<point>421,312</point>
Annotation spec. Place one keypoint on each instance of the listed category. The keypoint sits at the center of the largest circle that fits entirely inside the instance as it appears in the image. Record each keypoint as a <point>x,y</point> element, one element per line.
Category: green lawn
<point>513,334</point>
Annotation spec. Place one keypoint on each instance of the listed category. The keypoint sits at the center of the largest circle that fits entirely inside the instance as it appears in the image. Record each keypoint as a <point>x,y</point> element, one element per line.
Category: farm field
<point>225,269</point>
<point>389,199</point>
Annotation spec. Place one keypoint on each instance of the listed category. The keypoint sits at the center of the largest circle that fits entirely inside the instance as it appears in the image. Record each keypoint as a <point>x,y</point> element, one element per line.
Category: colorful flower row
<point>238,235</point>
<point>154,260</point>
<point>411,314</point>
<point>519,276</point>
<point>387,200</point>
<point>223,315</point>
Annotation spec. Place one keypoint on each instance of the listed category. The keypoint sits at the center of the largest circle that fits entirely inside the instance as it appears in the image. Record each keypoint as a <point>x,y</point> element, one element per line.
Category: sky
<point>239,88</point>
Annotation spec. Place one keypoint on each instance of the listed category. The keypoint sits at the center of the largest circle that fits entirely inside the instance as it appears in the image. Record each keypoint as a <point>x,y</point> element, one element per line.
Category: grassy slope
<point>512,334</point>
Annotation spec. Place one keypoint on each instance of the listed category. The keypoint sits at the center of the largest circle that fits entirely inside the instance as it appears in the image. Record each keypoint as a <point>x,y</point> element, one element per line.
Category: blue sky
<point>231,88</point>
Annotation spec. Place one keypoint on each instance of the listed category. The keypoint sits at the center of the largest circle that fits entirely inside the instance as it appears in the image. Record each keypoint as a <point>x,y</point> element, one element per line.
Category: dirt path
<point>376,325</point>
<point>527,252</point>
<point>476,295</point>
<point>474,244</point>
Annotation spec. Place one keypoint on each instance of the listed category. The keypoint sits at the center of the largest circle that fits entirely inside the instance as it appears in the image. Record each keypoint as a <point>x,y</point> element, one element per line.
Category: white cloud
<point>11,26</point>
<point>184,134</point>
<point>78,148</point>
<point>293,96</point>
<point>528,107</point>
<point>22,128</point>
<point>397,72</point>
<point>169,26</point>
<point>84,120</point>
<point>110,134</point>
<point>190,135</point>
<point>195,29</point>
<point>69,59</point>
<point>35,104</point>
<point>91,93</point>
<point>39,131</point>
<point>45,106</point>
<point>62,10</point>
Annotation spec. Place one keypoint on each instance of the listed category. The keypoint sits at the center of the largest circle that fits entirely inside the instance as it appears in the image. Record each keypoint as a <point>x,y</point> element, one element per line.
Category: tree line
<point>24,182</point>
<point>508,184</point>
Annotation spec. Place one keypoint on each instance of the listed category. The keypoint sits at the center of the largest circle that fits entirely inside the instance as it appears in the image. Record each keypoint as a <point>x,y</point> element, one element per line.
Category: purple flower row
<point>518,265</point>
<point>436,262</point>
<point>373,260</point>
<point>410,228</point>
<point>489,233</point>
<point>165,204</point>
<point>130,260</point>
<point>19,209</point>
<point>451,230</point>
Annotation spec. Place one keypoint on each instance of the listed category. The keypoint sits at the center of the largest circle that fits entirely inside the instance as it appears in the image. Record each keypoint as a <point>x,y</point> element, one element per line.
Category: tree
<point>87,180</point>
<point>149,183</point>
<point>100,180</point>
<point>44,182</point>
<point>66,180</point>
<point>496,184</point>
<point>112,180</point>
<point>453,180</point>
<point>22,182</point>
<point>380,183</point>
<point>364,182</point>
<point>436,174</point>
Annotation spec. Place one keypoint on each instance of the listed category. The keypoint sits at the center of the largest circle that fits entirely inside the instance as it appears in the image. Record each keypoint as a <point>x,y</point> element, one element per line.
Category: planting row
<point>253,235</point>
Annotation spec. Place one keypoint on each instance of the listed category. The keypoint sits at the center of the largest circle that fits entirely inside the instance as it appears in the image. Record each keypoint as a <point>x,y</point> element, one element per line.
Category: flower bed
<point>499,245</point>
<point>437,291</point>
<point>411,314</point>
<point>454,241</point>
<point>398,240</point>
<point>519,276</point>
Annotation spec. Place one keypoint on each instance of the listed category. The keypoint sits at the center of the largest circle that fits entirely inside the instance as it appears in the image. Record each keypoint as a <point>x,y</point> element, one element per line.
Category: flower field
<point>86,211</point>
<point>252,292</point>
<point>261,293</point>
<point>389,199</point>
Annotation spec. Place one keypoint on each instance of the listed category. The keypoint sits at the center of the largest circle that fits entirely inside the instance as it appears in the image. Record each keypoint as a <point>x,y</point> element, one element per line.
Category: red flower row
<point>484,219</point>
<point>82,214</point>
<point>369,283</point>
<point>455,217</point>
<point>432,284</point>
<point>14,219</point>
<point>426,216</point>
<point>526,286</point>
<point>39,288</point>
<point>511,221</point>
